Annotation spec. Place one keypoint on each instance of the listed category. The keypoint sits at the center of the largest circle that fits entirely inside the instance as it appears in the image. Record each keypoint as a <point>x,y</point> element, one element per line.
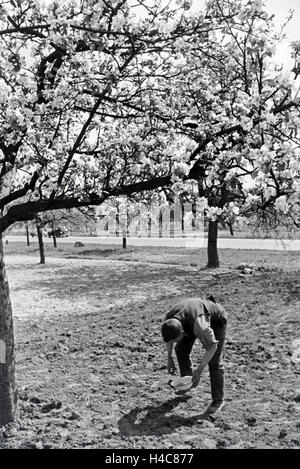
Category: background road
<point>223,243</point>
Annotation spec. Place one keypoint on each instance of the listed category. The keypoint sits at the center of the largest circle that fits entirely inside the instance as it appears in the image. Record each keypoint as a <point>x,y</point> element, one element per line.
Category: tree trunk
<point>172,222</point>
<point>41,244</point>
<point>8,393</point>
<point>160,224</point>
<point>27,235</point>
<point>212,249</point>
<point>149,225</point>
<point>54,236</point>
<point>117,224</point>
<point>182,220</point>
<point>54,241</point>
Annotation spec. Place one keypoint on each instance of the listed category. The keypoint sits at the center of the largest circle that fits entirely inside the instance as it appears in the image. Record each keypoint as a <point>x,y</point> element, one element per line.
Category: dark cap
<point>171,329</point>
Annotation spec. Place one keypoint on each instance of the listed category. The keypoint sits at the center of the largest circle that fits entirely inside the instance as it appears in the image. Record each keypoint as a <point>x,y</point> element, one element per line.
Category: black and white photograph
<point>150,227</point>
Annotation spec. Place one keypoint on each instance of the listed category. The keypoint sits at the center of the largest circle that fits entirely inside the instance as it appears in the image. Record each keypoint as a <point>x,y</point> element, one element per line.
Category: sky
<point>281,8</point>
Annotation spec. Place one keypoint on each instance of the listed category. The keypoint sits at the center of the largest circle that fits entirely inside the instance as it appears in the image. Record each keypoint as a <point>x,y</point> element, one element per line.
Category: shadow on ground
<point>152,420</point>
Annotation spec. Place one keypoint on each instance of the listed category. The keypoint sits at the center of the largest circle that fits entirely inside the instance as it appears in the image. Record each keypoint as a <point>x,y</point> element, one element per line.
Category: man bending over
<point>206,320</point>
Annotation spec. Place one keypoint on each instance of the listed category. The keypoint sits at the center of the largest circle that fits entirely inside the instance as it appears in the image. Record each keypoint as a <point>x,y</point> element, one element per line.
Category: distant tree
<point>241,117</point>
<point>39,228</point>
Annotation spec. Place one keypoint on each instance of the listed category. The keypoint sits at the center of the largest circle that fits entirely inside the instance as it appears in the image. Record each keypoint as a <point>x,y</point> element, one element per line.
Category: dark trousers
<point>216,366</point>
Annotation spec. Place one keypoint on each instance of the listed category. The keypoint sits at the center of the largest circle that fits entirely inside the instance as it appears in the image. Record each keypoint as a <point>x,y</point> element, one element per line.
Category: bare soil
<point>89,351</point>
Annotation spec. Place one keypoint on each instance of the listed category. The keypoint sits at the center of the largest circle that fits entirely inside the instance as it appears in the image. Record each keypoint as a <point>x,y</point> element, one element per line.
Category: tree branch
<point>81,136</point>
<point>25,29</point>
<point>19,193</point>
<point>239,128</point>
<point>28,210</point>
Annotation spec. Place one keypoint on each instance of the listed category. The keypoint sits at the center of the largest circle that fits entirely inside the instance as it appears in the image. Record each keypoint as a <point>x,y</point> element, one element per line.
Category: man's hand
<point>196,378</point>
<point>171,366</point>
